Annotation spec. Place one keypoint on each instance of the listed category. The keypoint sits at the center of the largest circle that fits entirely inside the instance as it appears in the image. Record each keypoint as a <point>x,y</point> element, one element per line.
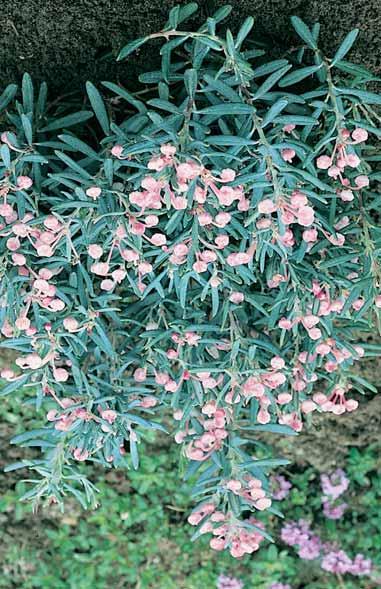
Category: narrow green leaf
<point>7,95</point>
<point>220,110</point>
<point>164,105</point>
<point>99,108</point>
<point>210,42</point>
<point>14,386</point>
<point>68,121</point>
<point>72,164</point>
<point>134,453</point>
<point>298,75</point>
<point>273,112</point>
<point>222,13</point>
<point>274,428</point>
<point>353,69</point>
<point>190,81</point>
<point>270,82</point>
<point>229,140</point>
<point>295,120</point>
<point>362,95</point>
<point>222,88</point>
<point>265,463</point>
<point>303,32</point>
<point>230,45</point>
<point>244,31</point>
<point>30,435</point>
<point>130,48</point>
<point>173,18</point>
<point>187,11</point>
<point>138,104</point>
<point>79,145</point>
<point>6,155</point>
<point>27,93</point>
<point>41,99</point>
<point>269,68</point>
<point>183,289</point>
<point>345,46</point>
<point>17,465</point>
<point>27,126</point>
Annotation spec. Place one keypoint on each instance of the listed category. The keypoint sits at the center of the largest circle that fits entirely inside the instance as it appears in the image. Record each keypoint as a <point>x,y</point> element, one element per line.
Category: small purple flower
<point>295,533</point>
<point>310,549</point>
<point>361,566</point>
<point>300,534</point>
<point>279,586</point>
<point>224,582</point>
<point>281,487</point>
<point>332,511</point>
<point>335,484</point>
<point>337,562</point>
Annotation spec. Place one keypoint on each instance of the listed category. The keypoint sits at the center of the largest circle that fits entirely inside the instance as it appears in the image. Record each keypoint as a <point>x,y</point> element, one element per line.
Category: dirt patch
<point>326,442</point>
<point>67,43</point>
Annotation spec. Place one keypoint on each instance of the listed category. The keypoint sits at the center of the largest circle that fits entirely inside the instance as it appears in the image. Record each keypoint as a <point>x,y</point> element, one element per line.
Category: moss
<point>68,42</point>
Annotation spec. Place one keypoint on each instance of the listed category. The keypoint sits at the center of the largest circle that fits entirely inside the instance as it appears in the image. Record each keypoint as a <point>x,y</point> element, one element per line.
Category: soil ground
<point>71,41</point>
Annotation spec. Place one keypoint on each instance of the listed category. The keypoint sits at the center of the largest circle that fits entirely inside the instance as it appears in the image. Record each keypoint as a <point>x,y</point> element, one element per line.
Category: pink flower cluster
<point>114,273</point>
<point>214,434</point>
<point>34,361</point>
<point>261,386</point>
<point>249,489</point>
<point>336,402</point>
<point>70,412</point>
<point>310,323</point>
<point>63,420</point>
<point>344,156</point>
<point>156,193</point>
<point>240,537</point>
<point>43,239</point>
<point>208,198</point>
<point>296,209</point>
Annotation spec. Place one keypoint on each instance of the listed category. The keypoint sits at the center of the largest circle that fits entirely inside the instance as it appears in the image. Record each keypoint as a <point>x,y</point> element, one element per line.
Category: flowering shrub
<point>208,251</point>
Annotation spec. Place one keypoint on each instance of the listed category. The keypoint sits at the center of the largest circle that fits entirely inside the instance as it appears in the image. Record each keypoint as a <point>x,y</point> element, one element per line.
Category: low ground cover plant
<point>138,536</point>
<point>205,248</point>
